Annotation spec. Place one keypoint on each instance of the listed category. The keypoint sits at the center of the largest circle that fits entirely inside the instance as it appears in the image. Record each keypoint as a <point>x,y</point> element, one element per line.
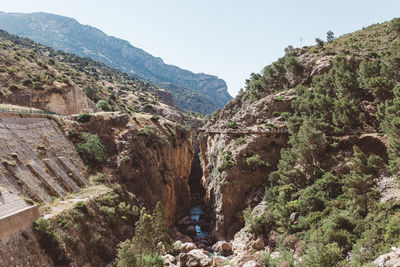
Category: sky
<point>226,38</point>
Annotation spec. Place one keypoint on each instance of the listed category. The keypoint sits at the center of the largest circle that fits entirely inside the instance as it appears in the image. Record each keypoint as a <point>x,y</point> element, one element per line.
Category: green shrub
<point>395,25</point>
<point>279,98</point>
<point>150,131</point>
<point>91,93</point>
<point>13,87</point>
<point>143,249</point>
<point>84,117</point>
<point>182,130</point>
<point>92,148</point>
<point>72,133</point>
<point>155,118</point>
<point>81,206</point>
<point>50,242</point>
<point>270,125</point>
<point>104,105</point>
<point>9,162</point>
<point>255,161</point>
<point>260,224</point>
<point>126,159</point>
<point>240,140</point>
<point>231,124</point>
<point>226,165</point>
<point>37,86</point>
<point>99,178</point>
<point>393,228</point>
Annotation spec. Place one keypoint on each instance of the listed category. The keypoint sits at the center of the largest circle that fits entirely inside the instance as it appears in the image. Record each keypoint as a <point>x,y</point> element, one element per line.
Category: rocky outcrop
<point>195,258</point>
<point>151,157</point>
<point>65,99</point>
<point>164,96</point>
<point>390,259</point>
<point>231,149</point>
<point>23,249</point>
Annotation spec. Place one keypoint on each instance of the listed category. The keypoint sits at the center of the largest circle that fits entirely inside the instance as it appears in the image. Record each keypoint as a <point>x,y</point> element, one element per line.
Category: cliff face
<point>152,158</point>
<point>65,99</point>
<point>237,154</point>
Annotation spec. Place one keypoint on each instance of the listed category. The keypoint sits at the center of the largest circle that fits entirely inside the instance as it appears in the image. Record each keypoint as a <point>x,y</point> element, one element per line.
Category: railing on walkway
<point>26,111</point>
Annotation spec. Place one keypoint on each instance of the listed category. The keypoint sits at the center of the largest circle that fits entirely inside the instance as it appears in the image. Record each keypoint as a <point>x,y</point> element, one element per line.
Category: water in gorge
<point>196,212</point>
<point>198,223</point>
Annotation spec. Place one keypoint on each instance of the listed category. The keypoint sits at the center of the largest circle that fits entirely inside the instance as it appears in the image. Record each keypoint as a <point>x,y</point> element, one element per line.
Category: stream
<point>195,212</point>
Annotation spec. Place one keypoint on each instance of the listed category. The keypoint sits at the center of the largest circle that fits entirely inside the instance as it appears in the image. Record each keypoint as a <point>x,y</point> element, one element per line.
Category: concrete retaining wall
<point>17,221</point>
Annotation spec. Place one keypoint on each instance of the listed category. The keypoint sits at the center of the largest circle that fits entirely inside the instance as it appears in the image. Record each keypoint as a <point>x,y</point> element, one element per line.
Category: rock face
<point>23,249</point>
<point>230,157</point>
<point>71,101</point>
<point>391,259</point>
<point>198,92</point>
<point>152,158</point>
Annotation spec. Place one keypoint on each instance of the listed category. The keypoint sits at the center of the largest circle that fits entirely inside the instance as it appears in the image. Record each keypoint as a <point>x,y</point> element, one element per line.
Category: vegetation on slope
<point>322,199</point>
<point>26,65</point>
<point>196,92</point>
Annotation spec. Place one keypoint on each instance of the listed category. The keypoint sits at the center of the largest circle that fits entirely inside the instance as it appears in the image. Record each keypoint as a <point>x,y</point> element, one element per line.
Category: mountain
<point>197,92</point>
<point>64,83</point>
<point>304,163</point>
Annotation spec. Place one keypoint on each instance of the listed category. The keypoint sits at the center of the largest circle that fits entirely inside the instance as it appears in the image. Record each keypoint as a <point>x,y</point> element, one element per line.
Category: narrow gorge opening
<point>198,223</point>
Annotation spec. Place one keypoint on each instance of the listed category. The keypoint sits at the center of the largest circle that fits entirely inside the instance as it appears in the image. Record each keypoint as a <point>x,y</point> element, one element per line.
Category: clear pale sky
<point>227,38</point>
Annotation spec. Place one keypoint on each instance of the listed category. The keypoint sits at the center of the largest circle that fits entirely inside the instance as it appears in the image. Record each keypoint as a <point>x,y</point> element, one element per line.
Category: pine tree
<point>144,239</point>
<point>151,236</point>
<point>309,145</point>
<point>330,36</point>
<point>160,227</point>
<point>360,182</point>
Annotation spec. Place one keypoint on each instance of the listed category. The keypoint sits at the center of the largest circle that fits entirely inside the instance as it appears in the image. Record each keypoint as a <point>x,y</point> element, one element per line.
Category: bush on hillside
<point>104,105</point>
<point>84,117</point>
<point>92,148</point>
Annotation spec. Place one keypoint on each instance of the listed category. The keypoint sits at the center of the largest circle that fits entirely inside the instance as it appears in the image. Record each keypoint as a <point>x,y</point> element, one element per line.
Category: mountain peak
<point>197,92</point>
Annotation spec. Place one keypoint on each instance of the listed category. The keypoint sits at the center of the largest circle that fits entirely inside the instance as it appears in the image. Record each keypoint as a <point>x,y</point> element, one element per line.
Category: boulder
<point>187,247</point>
<point>389,259</point>
<point>218,261</point>
<point>195,258</point>
<point>222,247</point>
<point>258,244</point>
<point>191,230</point>
<point>169,260</point>
<point>186,221</point>
<point>251,263</point>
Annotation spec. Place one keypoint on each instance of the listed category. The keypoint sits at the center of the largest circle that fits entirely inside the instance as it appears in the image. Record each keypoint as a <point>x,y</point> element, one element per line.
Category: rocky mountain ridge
<point>197,92</point>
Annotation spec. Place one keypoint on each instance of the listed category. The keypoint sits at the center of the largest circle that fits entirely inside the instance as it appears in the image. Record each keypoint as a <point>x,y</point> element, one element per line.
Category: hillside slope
<point>197,92</point>
<point>68,84</point>
<point>307,156</point>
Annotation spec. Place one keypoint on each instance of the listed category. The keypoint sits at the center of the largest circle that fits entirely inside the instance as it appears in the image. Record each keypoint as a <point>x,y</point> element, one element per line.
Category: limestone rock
<point>169,260</point>
<point>187,247</point>
<point>222,247</point>
<point>218,261</point>
<point>252,263</point>
<point>391,259</point>
<point>231,184</point>
<point>195,258</point>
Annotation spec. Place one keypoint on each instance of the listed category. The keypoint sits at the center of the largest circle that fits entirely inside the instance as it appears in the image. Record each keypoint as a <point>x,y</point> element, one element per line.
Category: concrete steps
<point>50,183</point>
<point>62,176</point>
<point>26,181</point>
<point>69,166</point>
